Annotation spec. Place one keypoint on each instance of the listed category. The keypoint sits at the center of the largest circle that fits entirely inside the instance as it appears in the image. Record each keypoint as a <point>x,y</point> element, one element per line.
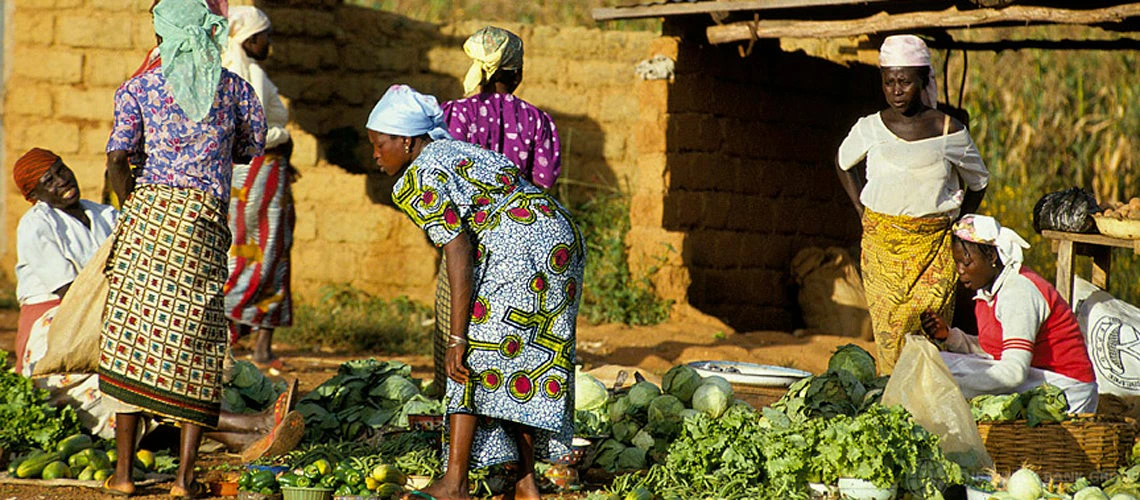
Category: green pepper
<point>262,479</point>
<point>267,492</point>
<point>344,491</point>
<point>353,478</point>
<point>342,468</point>
<point>364,492</point>
<point>243,481</point>
<point>303,482</point>
<point>328,482</point>
<point>311,471</point>
<point>288,479</point>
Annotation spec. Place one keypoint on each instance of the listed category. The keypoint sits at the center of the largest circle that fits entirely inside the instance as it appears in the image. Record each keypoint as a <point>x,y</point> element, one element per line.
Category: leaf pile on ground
<point>364,396</point>
<point>28,420</point>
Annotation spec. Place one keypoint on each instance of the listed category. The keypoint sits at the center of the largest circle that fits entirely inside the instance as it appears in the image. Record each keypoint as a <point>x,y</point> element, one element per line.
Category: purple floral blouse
<point>511,126</point>
<point>181,153</point>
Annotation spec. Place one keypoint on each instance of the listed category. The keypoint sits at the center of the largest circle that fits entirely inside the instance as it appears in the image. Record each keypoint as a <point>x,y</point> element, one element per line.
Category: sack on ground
<point>831,293</point>
<point>73,339</point>
<point>1070,210</point>
<point>922,384</point>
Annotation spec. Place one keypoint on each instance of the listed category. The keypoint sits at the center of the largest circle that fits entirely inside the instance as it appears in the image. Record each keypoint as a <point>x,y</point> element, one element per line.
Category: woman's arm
<point>852,185</point>
<point>1020,310</point>
<point>972,201</point>
<point>459,277</point>
<point>119,172</point>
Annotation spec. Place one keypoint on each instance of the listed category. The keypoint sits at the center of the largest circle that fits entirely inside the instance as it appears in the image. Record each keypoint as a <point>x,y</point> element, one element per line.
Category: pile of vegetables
<point>79,457</point>
<point>365,396</point>
<point>1025,484</point>
<point>643,421</point>
<point>250,391</point>
<point>1044,403</point>
<point>826,427</point>
<point>29,422</point>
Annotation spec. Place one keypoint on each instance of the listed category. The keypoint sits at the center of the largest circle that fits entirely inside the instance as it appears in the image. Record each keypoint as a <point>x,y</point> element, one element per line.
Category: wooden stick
<point>689,8</point>
<point>949,18</point>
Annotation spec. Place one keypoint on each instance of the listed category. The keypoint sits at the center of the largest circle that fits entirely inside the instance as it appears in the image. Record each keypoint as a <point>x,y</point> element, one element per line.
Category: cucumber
<point>103,474</point>
<point>57,470</point>
<point>74,444</point>
<point>14,465</point>
<point>34,465</point>
<point>98,459</point>
<point>88,474</point>
<point>78,461</point>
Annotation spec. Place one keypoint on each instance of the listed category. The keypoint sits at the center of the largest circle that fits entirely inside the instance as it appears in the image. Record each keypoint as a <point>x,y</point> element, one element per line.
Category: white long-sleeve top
<point>914,178</point>
<point>276,114</point>
<point>52,246</point>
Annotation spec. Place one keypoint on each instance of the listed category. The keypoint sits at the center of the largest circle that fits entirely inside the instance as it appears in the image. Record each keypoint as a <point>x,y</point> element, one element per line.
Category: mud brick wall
<point>741,175</point>
<point>332,62</point>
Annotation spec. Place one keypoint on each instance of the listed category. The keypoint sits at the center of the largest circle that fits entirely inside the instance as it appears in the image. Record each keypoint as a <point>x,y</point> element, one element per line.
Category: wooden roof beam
<point>947,19</point>
<point>708,7</point>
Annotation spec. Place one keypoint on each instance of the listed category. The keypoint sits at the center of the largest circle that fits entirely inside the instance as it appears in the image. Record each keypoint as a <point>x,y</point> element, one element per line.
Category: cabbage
<point>643,393</point>
<point>665,415</point>
<point>681,381</point>
<point>643,440</point>
<point>855,360</point>
<point>589,392</point>
<point>996,408</point>
<point>632,458</point>
<point>688,412</point>
<point>1046,403</point>
<point>591,423</point>
<point>719,381</point>
<point>397,389</point>
<point>625,430</point>
<point>712,399</point>
<point>1024,485</point>
<point>245,374</point>
<point>618,408</point>
<point>607,454</point>
<point>1090,493</point>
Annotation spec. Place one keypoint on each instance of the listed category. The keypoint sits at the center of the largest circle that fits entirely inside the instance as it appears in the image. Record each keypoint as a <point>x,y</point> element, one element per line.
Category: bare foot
<point>526,488</point>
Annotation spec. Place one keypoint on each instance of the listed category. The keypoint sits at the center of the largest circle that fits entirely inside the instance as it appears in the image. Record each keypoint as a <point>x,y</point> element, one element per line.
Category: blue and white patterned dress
<point>527,283</point>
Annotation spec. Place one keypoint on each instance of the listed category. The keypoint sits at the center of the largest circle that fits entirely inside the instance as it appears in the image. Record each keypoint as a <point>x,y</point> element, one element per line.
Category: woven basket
<point>1083,446</point>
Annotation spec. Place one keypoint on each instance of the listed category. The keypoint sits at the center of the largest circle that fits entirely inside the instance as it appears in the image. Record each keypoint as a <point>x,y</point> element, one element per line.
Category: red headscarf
<point>30,167</point>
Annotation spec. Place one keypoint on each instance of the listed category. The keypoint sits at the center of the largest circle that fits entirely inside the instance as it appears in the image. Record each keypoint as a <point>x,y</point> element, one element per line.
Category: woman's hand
<point>934,326</point>
<point>455,363</point>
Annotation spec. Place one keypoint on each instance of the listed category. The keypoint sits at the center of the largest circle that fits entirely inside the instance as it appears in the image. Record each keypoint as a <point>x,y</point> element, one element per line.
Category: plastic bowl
<point>291,493</point>
<point>224,488</point>
<point>858,489</point>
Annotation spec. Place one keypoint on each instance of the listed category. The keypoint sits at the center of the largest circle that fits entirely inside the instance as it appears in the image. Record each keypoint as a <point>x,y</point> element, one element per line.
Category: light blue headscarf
<point>407,113</point>
<point>192,41</point>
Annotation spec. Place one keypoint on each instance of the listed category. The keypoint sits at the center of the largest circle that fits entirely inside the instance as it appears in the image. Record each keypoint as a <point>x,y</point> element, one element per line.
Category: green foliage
<point>1048,120</point>
<point>611,293</point>
<point>348,319</point>
<point>29,421</point>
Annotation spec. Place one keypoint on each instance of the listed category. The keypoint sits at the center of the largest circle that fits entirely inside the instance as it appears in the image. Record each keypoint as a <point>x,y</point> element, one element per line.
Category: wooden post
<point>1102,263</point>
<point>1065,270</point>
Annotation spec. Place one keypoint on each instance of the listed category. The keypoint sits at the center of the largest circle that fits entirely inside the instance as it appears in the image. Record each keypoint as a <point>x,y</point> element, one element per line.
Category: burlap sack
<point>73,338</point>
<point>831,293</point>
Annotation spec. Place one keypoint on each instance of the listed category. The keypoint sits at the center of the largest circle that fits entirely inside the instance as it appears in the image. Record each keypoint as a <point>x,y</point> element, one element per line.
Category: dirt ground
<point>651,350</point>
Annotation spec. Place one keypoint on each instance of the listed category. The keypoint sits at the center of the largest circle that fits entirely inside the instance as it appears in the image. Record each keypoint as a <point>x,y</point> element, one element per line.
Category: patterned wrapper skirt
<point>261,219</point>
<point>164,328</point>
<point>907,269</point>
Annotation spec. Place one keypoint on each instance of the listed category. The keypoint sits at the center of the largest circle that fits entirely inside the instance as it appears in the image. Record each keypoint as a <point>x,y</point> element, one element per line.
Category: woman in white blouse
<point>922,171</point>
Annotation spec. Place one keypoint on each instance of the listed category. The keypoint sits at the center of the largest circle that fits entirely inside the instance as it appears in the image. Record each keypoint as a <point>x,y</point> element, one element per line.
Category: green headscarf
<point>192,40</point>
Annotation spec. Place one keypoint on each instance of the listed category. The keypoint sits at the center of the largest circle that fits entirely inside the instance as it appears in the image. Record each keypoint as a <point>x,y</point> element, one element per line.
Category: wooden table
<point>1097,246</point>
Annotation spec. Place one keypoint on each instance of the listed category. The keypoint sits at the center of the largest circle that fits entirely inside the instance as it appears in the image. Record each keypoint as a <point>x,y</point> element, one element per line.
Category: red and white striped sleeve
<point>1020,309</point>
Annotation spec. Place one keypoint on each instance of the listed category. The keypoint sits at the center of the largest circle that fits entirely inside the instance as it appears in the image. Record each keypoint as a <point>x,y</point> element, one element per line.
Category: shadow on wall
<point>751,147</point>
<point>334,61</point>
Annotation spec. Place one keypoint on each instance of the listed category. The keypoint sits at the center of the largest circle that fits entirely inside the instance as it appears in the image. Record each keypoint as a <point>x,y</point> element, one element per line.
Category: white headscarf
<point>909,51</point>
<point>245,22</point>
<point>404,112</point>
<point>986,231</point>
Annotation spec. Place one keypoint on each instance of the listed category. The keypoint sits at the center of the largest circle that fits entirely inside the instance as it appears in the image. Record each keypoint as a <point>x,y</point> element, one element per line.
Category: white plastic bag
<point>922,384</point>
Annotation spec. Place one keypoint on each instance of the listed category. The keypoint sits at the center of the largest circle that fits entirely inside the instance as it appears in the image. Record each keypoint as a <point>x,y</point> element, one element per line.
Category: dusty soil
<point>651,350</point>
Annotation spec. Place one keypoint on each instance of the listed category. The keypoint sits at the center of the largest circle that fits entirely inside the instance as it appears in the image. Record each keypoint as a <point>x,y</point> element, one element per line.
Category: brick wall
<point>331,62</point>
<point>742,175</point>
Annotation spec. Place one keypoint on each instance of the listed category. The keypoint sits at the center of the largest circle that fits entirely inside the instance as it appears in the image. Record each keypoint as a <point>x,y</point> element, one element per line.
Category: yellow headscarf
<point>490,49</point>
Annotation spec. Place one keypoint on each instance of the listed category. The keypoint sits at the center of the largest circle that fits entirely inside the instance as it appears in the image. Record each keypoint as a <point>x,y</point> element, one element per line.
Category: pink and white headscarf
<point>909,51</point>
<point>985,230</point>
